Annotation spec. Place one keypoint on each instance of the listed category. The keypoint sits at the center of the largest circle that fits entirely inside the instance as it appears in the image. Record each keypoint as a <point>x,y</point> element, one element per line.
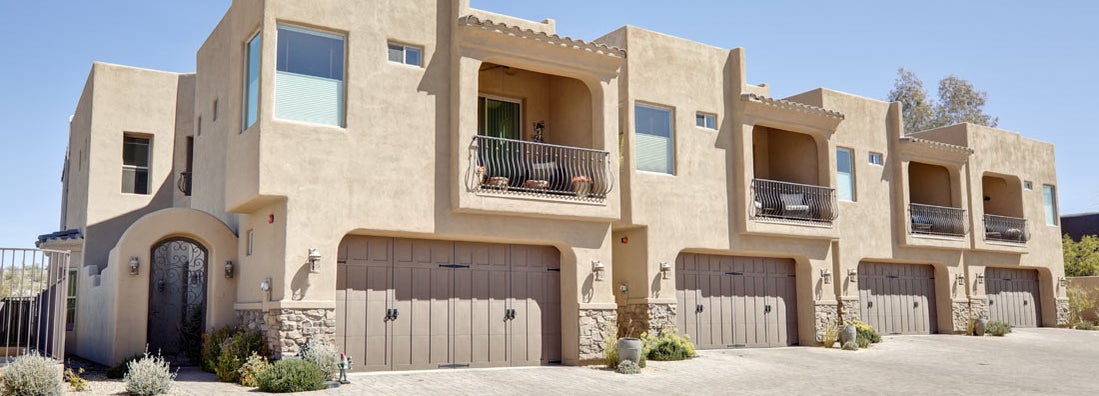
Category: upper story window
<point>198,126</point>
<point>1028,185</point>
<point>251,241</point>
<point>875,159</point>
<point>406,54</point>
<point>1049,203</point>
<point>215,111</point>
<point>655,143</point>
<point>845,174</point>
<point>135,165</point>
<point>251,81</point>
<point>70,306</point>
<point>706,120</point>
<point>309,76</point>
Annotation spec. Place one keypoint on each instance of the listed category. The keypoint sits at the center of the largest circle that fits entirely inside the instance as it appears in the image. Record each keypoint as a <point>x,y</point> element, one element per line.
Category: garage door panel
<point>897,298</point>
<point>1013,296</point>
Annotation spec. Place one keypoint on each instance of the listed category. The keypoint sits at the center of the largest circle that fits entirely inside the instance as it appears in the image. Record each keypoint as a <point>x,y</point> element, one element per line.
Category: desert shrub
<point>668,345</point>
<point>149,375</point>
<point>866,331</point>
<point>610,350</point>
<point>32,375</point>
<point>291,375</point>
<point>862,342</point>
<point>211,347</point>
<point>629,367</point>
<point>252,368</point>
<point>324,355</point>
<point>119,370</point>
<point>850,345</point>
<point>831,333</point>
<point>997,329</point>
<point>1085,325</point>
<point>76,382</point>
<point>1078,303</point>
<point>235,350</point>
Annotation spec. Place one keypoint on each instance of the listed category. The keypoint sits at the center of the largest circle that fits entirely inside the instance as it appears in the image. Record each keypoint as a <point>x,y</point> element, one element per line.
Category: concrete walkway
<point>1027,361</point>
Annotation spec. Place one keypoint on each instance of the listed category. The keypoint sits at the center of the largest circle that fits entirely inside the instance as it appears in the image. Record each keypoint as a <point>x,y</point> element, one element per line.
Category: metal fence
<point>33,297</point>
<point>516,167</point>
<point>937,220</point>
<point>793,202</point>
<point>1006,229</point>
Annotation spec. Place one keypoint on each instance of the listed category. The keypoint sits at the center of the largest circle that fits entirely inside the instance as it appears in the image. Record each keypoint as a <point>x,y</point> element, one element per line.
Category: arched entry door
<point>177,300</point>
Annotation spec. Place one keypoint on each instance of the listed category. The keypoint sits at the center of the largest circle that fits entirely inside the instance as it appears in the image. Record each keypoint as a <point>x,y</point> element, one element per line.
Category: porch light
<point>229,269</point>
<point>852,275</point>
<point>265,287</point>
<point>134,264</point>
<point>623,287</point>
<point>960,279</point>
<point>314,257</point>
<point>665,269</point>
<point>980,277</point>
<point>826,275</point>
<point>1062,281</point>
<point>598,269</point>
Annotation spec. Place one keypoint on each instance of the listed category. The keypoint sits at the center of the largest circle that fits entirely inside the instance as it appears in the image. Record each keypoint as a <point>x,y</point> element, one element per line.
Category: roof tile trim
<point>939,145</point>
<point>792,105</point>
<point>500,27</point>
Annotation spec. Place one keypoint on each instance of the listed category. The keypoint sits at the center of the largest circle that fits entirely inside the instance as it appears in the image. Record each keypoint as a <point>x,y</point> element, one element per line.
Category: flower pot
<point>581,188</point>
<point>536,184</point>
<point>629,348</point>
<point>979,327</point>
<point>497,183</point>
<point>849,334</point>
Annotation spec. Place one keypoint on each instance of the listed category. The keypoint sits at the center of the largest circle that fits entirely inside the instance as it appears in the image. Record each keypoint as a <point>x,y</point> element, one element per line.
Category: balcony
<point>184,183</point>
<point>512,167</point>
<point>794,203</point>
<point>1006,229</point>
<point>936,220</point>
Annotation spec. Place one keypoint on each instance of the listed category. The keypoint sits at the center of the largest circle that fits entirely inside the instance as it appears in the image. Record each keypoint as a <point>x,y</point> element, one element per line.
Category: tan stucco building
<point>439,186</point>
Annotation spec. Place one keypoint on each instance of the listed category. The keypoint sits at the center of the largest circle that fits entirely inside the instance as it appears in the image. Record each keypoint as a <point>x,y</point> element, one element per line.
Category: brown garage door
<point>898,298</point>
<point>727,301</point>
<point>405,304</point>
<point>1013,296</point>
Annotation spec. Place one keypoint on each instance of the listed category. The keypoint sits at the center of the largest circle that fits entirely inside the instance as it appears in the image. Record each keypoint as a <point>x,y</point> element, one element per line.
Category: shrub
<point>76,382</point>
<point>252,368</point>
<point>1085,325</point>
<point>235,350</point>
<point>324,355</point>
<point>610,350</point>
<point>866,331</point>
<point>32,375</point>
<point>629,367</point>
<point>850,345</point>
<point>831,333</point>
<point>997,329</point>
<point>668,345</point>
<point>211,347</point>
<point>291,375</point>
<point>862,342</point>
<point>1078,302</point>
<point>119,370</point>
<point>149,375</point>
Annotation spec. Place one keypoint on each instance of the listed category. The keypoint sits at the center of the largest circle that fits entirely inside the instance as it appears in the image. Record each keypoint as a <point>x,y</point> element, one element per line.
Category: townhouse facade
<point>432,185</point>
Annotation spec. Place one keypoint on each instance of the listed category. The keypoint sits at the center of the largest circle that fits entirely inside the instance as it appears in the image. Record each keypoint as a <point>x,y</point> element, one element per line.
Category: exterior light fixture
<point>134,264</point>
<point>826,275</point>
<point>598,269</point>
<point>665,269</point>
<point>980,277</point>
<point>229,269</point>
<point>265,286</point>
<point>314,257</point>
<point>960,279</point>
<point>1062,281</point>
<point>623,287</point>
<point>852,275</point>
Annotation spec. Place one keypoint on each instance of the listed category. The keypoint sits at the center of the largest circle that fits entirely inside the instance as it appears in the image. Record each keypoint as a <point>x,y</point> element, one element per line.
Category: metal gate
<point>33,294</point>
<point>728,301</point>
<point>1013,296</point>
<point>898,298</point>
<point>177,300</point>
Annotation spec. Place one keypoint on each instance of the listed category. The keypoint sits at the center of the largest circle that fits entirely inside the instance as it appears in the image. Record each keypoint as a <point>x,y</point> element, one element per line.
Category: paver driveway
<point>1027,361</point>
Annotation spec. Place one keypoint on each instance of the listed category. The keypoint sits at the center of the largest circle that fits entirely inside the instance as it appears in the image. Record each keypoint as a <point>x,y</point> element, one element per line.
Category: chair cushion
<point>789,200</point>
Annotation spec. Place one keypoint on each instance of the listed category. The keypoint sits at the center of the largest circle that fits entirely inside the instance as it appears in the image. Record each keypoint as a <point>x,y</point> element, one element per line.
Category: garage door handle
<point>391,314</point>
<point>1025,302</point>
<point>699,308</point>
<point>509,314</point>
<point>869,304</point>
<point>915,304</point>
<point>767,309</point>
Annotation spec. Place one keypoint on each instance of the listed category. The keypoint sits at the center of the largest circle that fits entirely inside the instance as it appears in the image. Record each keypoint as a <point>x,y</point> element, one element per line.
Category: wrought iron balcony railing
<point>516,167</point>
<point>184,183</point>
<point>1006,229</point>
<point>793,202</point>
<point>937,220</point>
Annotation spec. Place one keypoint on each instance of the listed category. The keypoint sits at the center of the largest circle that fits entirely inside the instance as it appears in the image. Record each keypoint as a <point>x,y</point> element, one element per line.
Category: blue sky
<point>1038,61</point>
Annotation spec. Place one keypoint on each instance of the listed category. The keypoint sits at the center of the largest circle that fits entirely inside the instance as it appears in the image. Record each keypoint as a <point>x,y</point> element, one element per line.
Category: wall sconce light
<point>826,275</point>
<point>665,269</point>
<point>265,286</point>
<point>314,257</point>
<point>623,287</point>
<point>960,279</point>
<point>134,264</point>
<point>852,275</point>
<point>1062,281</point>
<point>980,277</point>
<point>598,269</point>
<point>229,269</point>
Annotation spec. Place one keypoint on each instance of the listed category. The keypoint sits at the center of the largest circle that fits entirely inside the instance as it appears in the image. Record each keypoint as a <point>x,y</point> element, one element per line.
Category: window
<point>408,55</point>
<point>198,126</point>
<point>70,306</point>
<point>309,76</point>
<point>499,117</point>
<point>655,142</point>
<point>1049,202</point>
<point>215,111</point>
<point>875,159</point>
<point>135,165</point>
<point>251,81</point>
<point>845,174</point>
<point>251,240</point>
<point>704,120</point>
<point>1028,185</point>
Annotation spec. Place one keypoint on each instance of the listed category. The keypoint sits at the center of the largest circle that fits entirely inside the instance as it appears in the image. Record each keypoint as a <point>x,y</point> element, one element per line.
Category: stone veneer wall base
<point>635,319</point>
<point>595,326</point>
<point>288,330</point>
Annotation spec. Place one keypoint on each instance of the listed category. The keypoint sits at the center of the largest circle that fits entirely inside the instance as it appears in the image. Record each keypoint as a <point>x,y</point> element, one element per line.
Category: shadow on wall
<point>101,237</point>
<point>299,285</point>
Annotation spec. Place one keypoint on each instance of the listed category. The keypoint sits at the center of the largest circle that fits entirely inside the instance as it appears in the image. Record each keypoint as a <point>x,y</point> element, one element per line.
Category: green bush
<point>997,329</point>
<point>252,368</point>
<point>629,367</point>
<point>149,375</point>
<point>850,345</point>
<point>235,350</point>
<point>32,375</point>
<point>76,382</point>
<point>324,355</point>
<point>291,375</point>
<point>668,345</point>
<point>211,347</point>
<point>610,350</point>
<point>119,370</point>
<point>865,331</point>
<point>1085,325</point>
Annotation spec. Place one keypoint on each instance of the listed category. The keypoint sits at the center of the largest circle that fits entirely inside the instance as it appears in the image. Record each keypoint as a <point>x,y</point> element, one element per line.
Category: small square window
<point>215,110</point>
<point>406,54</point>
<point>1028,185</point>
<point>251,241</point>
<point>704,120</point>
<point>875,159</point>
<point>198,126</point>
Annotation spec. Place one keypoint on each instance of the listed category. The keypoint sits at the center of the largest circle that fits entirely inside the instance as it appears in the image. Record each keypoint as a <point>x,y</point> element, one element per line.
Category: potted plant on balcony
<point>479,175</point>
<point>581,185</point>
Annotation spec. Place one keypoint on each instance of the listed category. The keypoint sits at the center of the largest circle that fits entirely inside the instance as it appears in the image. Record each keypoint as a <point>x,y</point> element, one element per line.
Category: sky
<point>1038,61</point>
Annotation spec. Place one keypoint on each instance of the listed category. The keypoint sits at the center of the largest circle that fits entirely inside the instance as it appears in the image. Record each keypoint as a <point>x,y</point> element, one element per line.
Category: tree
<point>958,102</point>
<point>1081,258</point>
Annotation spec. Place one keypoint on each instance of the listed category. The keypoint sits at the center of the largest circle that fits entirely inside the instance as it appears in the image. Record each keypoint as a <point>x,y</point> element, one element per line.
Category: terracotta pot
<point>536,184</point>
<point>497,183</point>
<point>581,188</point>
